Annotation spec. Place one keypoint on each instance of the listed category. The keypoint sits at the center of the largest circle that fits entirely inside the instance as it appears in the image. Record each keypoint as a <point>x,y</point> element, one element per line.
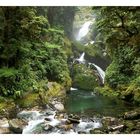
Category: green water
<point>86,103</point>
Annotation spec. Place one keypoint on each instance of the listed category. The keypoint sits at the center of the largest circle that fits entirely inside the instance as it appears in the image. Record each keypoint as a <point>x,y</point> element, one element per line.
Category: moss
<point>7,108</point>
<point>85,82</point>
<point>55,90</point>
<point>130,125</point>
<point>29,100</point>
<point>84,78</point>
<point>106,91</point>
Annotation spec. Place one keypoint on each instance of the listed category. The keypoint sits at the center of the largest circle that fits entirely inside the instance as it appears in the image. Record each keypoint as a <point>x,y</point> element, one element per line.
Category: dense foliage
<point>31,49</point>
<point>118,28</point>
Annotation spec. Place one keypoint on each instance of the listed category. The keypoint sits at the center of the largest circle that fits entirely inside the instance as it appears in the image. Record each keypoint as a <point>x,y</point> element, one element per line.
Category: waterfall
<point>100,71</point>
<point>81,59</point>
<point>84,30</point>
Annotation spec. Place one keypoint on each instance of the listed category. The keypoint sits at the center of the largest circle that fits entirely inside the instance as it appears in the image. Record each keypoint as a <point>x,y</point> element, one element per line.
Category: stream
<point>84,111</point>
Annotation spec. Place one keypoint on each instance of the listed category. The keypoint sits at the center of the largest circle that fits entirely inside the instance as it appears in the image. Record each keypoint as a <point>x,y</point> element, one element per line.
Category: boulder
<point>4,122</point>
<point>132,115</point>
<point>66,127</point>
<point>59,106</point>
<point>17,125</point>
<point>117,128</point>
<point>5,130</point>
<point>73,120</point>
<point>135,132</point>
<point>109,121</point>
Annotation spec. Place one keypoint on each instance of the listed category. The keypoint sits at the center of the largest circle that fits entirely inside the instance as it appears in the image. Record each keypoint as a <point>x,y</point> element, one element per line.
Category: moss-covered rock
<point>42,97</point>
<point>29,100</point>
<point>106,91</point>
<point>84,78</point>
<point>7,108</point>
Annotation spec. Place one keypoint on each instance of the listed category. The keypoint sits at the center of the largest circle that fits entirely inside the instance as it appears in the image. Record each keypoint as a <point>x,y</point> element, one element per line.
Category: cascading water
<point>100,71</point>
<point>48,122</point>
<point>83,30</point>
<point>81,59</point>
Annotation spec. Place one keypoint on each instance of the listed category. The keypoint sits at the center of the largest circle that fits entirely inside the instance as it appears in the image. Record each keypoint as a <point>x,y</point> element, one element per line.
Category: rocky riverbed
<point>54,119</point>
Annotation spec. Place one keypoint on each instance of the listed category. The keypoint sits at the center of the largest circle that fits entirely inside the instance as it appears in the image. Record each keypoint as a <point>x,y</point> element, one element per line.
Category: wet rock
<point>138,125</point>
<point>117,128</point>
<point>48,127</point>
<point>59,116</point>
<point>48,119</point>
<point>97,131</point>
<point>66,127</point>
<point>5,130</point>
<point>4,122</point>
<point>132,115</point>
<point>109,121</point>
<point>73,120</point>
<point>68,122</point>
<point>49,112</point>
<point>81,132</point>
<point>17,125</point>
<point>135,132</point>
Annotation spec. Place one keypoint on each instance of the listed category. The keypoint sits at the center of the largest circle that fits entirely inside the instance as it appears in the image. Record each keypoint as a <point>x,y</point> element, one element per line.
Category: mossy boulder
<point>106,91</point>
<point>7,108</point>
<point>54,90</point>
<point>83,77</point>
<point>28,101</point>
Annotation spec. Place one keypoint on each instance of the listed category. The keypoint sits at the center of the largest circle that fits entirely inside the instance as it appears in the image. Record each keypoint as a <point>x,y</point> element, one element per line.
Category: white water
<point>29,115</point>
<point>38,121</point>
<point>31,126</point>
<point>81,59</point>
<point>83,30</point>
<point>73,88</point>
<point>86,126</point>
<point>100,71</point>
<point>92,42</point>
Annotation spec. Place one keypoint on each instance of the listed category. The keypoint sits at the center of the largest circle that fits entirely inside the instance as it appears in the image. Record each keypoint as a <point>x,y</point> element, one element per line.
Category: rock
<point>48,127</point>
<point>135,132</point>
<point>81,132</point>
<point>5,130</point>
<point>115,132</point>
<point>66,127</point>
<point>109,121</point>
<point>59,116</point>
<point>132,115</point>
<point>73,120</point>
<point>97,131</point>
<point>117,128</point>
<point>48,119</point>
<point>130,125</point>
<point>17,125</point>
<point>49,112</point>
<point>59,106</point>
<point>4,122</point>
<point>68,122</point>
